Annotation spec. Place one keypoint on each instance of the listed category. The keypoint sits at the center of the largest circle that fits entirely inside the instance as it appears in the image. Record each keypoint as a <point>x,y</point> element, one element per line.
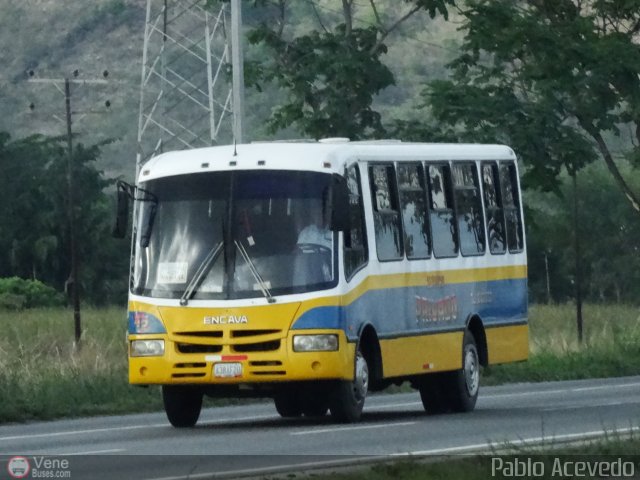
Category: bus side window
<point>355,240</point>
<point>442,218</point>
<point>411,189</point>
<point>386,215</point>
<point>493,208</point>
<point>511,202</point>
<point>469,209</point>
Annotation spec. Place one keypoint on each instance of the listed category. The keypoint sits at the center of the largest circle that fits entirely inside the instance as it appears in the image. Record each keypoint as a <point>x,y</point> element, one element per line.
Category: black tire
<point>347,399</point>
<point>463,386</point>
<point>182,404</point>
<point>454,391</point>
<point>288,404</point>
<point>315,404</point>
<point>433,395</point>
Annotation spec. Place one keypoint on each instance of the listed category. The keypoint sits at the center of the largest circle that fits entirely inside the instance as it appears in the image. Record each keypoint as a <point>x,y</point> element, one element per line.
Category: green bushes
<point>18,293</point>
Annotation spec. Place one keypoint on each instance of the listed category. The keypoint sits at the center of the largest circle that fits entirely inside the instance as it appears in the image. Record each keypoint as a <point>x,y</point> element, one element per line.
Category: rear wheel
<point>454,391</point>
<point>182,404</point>
<point>348,397</point>
<point>433,393</point>
<point>464,384</point>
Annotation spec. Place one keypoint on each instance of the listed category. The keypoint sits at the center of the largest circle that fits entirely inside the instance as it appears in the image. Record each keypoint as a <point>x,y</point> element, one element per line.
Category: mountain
<point>51,39</point>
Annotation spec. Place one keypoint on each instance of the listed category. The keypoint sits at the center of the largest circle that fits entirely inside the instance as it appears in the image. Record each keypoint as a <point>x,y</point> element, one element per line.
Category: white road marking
<point>261,471</point>
<point>523,441</point>
<point>393,405</point>
<point>349,429</point>
<point>561,390</point>
<point>81,432</point>
<point>127,427</point>
<point>590,405</point>
<point>94,452</point>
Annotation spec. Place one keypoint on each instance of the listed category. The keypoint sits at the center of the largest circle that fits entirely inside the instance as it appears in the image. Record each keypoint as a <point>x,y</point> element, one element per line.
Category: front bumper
<point>264,360</point>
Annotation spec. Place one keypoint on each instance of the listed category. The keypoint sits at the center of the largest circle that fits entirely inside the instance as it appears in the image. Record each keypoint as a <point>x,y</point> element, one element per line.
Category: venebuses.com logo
<point>38,467</point>
<point>18,467</point>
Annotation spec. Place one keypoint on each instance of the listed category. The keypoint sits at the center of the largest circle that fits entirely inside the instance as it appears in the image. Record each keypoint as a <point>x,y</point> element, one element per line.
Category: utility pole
<point>578,253</point>
<point>75,294</point>
<point>546,269</point>
<point>237,65</point>
<point>73,282</point>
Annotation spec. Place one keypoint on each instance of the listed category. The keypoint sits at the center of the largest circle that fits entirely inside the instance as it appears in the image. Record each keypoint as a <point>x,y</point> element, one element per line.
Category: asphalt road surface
<point>252,439</point>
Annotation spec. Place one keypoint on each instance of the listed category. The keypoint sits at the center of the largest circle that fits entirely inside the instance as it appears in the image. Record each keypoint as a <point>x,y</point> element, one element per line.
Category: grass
<point>610,348</point>
<point>43,375</point>
<point>479,467</point>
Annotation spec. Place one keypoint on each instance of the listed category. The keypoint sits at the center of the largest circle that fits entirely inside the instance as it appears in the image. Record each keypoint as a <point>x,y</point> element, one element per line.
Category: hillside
<point>53,38</point>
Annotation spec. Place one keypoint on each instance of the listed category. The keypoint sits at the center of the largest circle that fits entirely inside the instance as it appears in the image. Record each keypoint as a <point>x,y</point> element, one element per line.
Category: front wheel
<point>182,404</point>
<point>348,397</point>
<point>288,404</point>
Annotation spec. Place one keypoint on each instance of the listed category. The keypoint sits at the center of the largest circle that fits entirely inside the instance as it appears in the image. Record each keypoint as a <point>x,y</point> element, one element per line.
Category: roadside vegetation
<point>479,467</point>
<point>43,375</point>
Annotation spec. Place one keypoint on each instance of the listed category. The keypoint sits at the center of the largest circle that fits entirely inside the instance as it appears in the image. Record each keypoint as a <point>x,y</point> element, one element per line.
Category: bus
<point>314,273</point>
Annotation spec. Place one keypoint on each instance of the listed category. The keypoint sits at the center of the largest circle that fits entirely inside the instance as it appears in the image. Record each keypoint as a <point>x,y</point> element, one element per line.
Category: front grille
<point>198,348</point>
<point>266,367</point>
<point>265,363</point>
<point>236,341</point>
<point>252,333</point>
<point>207,334</point>
<point>189,374</point>
<point>257,347</point>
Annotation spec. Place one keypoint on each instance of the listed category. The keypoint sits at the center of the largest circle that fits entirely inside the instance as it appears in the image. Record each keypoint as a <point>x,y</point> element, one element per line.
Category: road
<point>253,439</point>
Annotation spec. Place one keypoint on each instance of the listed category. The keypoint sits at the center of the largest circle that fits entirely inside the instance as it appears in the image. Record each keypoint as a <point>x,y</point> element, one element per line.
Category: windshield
<point>231,235</point>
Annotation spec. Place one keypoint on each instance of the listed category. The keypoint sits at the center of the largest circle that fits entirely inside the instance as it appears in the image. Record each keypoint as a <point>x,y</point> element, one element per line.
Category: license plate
<point>227,370</point>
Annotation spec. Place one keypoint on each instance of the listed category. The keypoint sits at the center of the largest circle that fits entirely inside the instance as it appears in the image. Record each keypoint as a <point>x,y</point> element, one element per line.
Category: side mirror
<point>340,218</point>
<point>122,213</point>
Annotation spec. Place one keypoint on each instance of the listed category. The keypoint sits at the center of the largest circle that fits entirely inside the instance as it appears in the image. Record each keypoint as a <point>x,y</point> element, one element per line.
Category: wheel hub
<point>471,371</point>
<point>361,381</point>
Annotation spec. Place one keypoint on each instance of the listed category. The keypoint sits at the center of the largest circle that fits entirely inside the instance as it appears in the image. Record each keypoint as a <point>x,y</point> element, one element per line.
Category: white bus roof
<point>325,156</point>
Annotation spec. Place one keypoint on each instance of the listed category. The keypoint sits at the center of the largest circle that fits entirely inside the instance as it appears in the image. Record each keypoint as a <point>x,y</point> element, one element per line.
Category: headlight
<point>147,348</point>
<point>315,343</point>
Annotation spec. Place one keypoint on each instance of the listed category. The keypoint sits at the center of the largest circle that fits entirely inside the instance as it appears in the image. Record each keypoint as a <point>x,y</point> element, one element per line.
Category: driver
<point>317,232</point>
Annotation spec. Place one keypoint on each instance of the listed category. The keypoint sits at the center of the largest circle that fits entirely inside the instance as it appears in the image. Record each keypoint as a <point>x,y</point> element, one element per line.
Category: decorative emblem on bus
<point>225,320</point>
<point>444,309</point>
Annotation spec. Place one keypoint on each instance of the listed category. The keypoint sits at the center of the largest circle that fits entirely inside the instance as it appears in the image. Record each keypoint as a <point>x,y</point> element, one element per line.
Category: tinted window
<point>468,209</point>
<point>442,219</point>
<point>414,210</point>
<point>511,202</point>
<point>493,208</point>
<point>355,248</point>
<point>386,215</point>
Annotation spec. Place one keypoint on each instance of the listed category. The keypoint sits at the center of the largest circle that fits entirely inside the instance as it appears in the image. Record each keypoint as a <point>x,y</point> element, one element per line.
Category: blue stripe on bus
<point>423,309</point>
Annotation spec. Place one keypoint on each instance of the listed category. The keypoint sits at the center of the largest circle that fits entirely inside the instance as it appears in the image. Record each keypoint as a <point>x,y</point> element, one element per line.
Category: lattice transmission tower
<point>187,95</point>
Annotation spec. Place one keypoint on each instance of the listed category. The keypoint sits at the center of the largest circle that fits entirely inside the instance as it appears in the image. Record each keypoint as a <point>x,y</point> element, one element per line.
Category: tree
<point>332,73</point>
<point>34,242</point>
<point>557,79</point>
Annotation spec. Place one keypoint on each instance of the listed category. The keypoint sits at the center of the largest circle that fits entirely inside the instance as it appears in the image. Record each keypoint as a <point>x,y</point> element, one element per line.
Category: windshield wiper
<point>261,283</point>
<point>200,273</point>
